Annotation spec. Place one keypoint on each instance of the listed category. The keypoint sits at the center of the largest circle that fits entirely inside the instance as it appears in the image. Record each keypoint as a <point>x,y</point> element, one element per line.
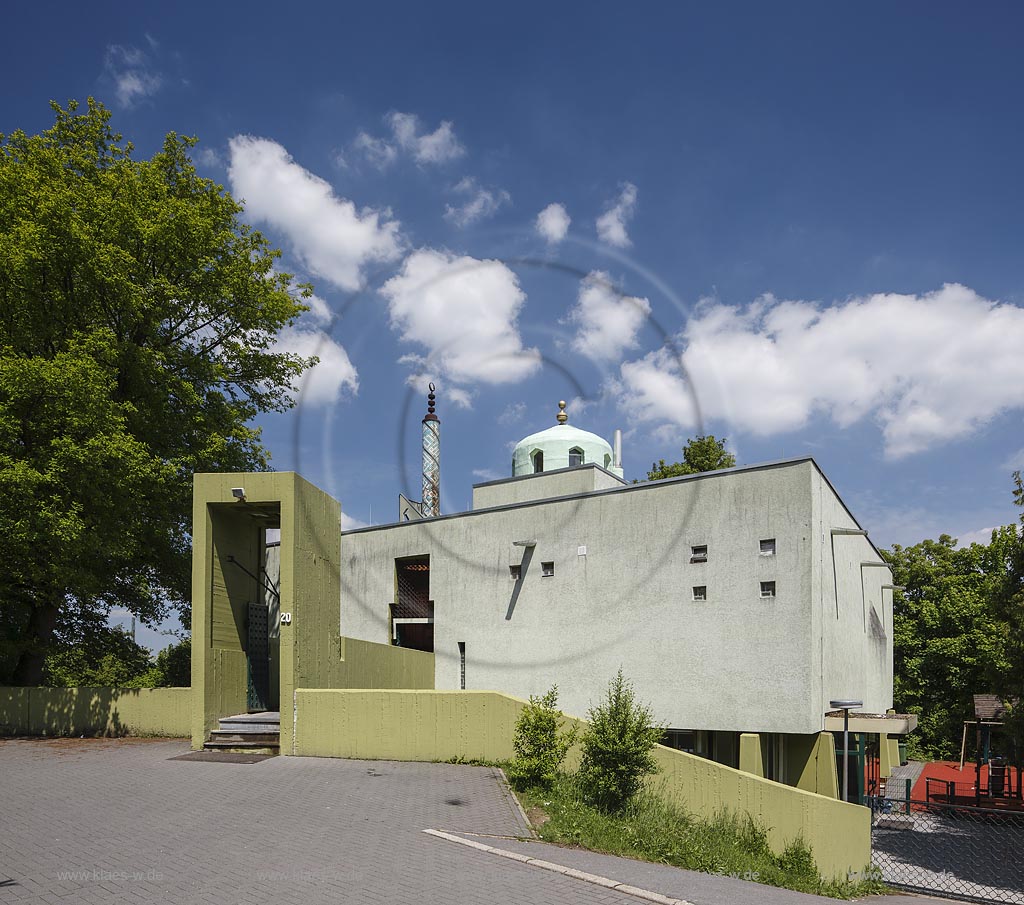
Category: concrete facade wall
<point>734,662</point>
<point>95,711</point>
<point>547,484</point>
<point>852,615</point>
<point>438,726</point>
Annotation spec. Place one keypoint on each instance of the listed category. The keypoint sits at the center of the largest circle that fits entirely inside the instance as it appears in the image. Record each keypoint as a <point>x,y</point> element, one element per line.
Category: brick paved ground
<point>94,821</point>
<point>676,883</point>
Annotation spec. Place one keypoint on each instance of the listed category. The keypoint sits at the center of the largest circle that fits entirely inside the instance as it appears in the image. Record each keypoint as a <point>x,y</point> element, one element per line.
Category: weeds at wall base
<point>650,829</point>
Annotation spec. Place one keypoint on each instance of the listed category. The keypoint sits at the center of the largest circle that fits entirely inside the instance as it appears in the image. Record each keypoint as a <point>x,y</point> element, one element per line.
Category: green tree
<point>616,748</point>
<point>1009,682</point>
<point>948,636</point>
<point>705,453</point>
<point>539,742</point>
<point>108,658</point>
<point>138,325</point>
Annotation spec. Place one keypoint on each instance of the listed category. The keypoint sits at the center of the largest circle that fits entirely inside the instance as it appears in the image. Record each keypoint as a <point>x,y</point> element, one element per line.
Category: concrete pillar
<point>888,755</point>
<point>750,753</point>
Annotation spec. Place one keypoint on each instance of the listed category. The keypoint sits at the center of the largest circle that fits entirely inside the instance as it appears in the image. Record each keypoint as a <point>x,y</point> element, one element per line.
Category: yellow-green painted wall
<point>811,763</point>
<point>95,711</point>
<point>440,725</point>
<point>751,760</point>
<point>888,755</point>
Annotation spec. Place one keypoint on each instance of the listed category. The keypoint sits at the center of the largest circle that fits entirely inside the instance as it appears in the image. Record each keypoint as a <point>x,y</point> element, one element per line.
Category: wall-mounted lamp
<point>238,493</point>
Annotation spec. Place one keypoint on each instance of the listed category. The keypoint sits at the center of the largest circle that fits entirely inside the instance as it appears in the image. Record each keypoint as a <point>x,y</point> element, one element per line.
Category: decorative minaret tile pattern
<point>431,459</point>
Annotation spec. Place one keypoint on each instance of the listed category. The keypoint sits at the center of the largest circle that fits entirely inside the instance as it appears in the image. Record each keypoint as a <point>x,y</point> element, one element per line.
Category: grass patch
<point>651,829</point>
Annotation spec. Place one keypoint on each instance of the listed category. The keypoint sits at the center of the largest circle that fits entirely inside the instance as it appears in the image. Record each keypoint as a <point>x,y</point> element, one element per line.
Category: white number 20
<point>286,619</point>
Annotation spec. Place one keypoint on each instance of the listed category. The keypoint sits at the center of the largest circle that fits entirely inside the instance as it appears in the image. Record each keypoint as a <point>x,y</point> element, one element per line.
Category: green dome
<point>555,445</point>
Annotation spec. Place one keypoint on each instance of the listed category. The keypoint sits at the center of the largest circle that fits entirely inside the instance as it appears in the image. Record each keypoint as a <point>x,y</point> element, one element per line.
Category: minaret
<point>431,460</point>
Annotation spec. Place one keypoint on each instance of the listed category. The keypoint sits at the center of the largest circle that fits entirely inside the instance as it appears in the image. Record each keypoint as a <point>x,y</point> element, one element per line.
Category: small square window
<point>515,572</point>
<point>768,547</point>
<point>767,588</point>
<point>700,592</point>
<point>547,569</point>
<point>699,553</point>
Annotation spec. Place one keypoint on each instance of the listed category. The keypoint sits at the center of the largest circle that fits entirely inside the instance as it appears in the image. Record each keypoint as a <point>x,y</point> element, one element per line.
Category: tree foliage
<point>616,748</point>
<point>949,634</point>
<point>111,658</point>
<point>1009,685</point>
<point>138,326</point>
<point>706,453</point>
<point>539,742</point>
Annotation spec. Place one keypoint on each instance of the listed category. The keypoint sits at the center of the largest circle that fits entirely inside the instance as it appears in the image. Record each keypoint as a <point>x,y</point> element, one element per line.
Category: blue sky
<point>818,207</point>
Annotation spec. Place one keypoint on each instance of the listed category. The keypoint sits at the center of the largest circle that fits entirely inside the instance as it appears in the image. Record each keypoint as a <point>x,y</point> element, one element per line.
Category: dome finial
<point>562,416</point>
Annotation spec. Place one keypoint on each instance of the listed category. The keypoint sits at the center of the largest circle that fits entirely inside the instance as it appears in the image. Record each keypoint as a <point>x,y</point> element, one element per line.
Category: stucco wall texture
<point>622,595</point>
<point>95,711</point>
<point>438,726</point>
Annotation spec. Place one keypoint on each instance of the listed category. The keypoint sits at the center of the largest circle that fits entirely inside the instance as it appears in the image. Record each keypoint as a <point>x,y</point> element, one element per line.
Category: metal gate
<point>967,853</point>
<point>257,655</point>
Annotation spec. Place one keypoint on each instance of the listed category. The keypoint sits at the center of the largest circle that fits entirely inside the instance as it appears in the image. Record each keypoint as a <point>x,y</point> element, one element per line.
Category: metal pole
<point>846,754</point>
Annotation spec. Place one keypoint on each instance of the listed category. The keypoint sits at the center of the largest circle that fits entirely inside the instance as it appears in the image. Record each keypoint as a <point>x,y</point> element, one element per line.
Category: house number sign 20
<point>286,619</point>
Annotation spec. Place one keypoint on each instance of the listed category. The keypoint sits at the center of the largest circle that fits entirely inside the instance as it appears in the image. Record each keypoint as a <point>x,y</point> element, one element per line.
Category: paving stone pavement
<point>96,821</point>
<point>698,888</point>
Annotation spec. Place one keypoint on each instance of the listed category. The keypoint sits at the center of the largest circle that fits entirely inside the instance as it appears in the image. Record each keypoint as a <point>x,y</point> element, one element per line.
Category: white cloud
<point>132,73</point>
<point>553,223</point>
<point>481,203</point>
<point>1015,461</point>
<point>209,157</point>
<point>981,536</point>
<point>488,474</point>
<point>929,369</point>
<point>332,238</point>
<point>464,311</point>
<point>319,311</point>
<point>607,321</point>
<point>611,225</point>
<point>438,146</point>
<point>514,412</point>
<point>378,151</point>
<point>350,522</point>
<point>325,382</point>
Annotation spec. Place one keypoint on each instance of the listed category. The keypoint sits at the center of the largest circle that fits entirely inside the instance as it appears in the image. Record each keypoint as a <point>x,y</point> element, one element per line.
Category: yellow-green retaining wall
<point>440,725</point>
<point>96,711</point>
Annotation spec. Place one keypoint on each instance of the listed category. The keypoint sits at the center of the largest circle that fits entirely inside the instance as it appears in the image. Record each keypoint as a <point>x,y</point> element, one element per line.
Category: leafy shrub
<point>539,743</point>
<point>617,748</point>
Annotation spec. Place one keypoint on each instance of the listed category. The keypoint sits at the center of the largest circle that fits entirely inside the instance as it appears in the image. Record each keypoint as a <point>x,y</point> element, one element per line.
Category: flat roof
<point>626,488</point>
<point>541,474</point>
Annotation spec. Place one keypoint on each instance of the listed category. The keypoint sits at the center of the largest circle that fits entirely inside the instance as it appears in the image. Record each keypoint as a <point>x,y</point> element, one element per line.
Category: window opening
<point>547,569</point>
<point>767,588</point>
<point>412,613</point>
<point>699,553</point>
<point>575,457</point>
<point>768,547</point>
<point>538,461</point>
<point>700,592</point>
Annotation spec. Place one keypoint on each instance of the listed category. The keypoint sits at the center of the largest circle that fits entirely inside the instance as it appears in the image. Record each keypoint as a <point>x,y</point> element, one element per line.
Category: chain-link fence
<point>962,852</point>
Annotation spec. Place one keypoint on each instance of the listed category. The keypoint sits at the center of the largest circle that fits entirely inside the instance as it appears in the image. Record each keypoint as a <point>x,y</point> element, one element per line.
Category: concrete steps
<point>247,733</point>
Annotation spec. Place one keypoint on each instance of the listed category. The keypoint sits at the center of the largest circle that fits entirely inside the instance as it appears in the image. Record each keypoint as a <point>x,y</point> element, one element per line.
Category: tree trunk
<point>29,670</point>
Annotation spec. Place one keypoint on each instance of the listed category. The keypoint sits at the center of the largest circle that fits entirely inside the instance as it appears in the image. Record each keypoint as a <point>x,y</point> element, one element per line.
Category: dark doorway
<point>257,655</point>
<point>412,613</point>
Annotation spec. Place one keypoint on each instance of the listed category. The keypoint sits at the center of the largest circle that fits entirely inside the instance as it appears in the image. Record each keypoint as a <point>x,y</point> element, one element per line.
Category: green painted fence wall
<point>95,711</point>
<point>440,725</point>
